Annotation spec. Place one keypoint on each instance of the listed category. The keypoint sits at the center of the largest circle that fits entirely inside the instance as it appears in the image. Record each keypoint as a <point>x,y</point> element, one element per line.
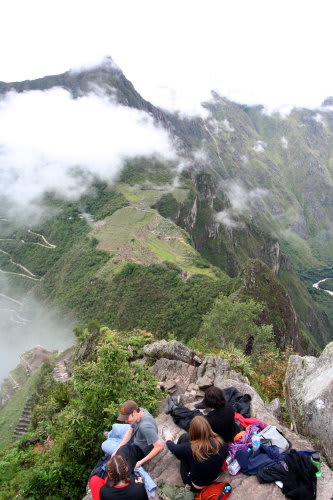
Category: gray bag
<point>272,436</point>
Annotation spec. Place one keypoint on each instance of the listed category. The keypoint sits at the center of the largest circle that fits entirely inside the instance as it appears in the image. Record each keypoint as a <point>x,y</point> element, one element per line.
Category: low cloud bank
<point>25,324</point>
<point>241,201</point>
<point>52,142</point>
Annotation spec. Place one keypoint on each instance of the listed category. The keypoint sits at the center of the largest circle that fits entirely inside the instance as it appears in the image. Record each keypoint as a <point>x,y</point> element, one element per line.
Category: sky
<point>277,53</point>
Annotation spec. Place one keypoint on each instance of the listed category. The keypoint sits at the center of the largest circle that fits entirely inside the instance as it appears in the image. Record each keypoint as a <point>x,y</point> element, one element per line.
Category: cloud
<point>93,62</point>
<point>46,137</point>
<point>241,201</point>
<point>319,119</point>
<point>24,323</point>
<point>226,218</point>
<point>259,147</point>
<point>283,110</point>
<point>227,125</point>
<point>284,142</point>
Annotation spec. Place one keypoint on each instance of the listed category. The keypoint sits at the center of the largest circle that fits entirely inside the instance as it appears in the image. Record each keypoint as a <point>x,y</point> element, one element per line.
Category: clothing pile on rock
<point>296,473</point>
<point>240,402</point>
<point>171,492</point>
<point>292,468</point>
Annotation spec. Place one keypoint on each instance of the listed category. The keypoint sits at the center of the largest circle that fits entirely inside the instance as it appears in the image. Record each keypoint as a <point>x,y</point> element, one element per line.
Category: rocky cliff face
<point>256,280</point>
<point>226,246</point>
<point>309,394</point>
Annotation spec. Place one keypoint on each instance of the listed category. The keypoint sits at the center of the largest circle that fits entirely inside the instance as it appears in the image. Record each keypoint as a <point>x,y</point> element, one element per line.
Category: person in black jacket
<point>117,485</point>
<point>201,457</point>
<point>221,415</point>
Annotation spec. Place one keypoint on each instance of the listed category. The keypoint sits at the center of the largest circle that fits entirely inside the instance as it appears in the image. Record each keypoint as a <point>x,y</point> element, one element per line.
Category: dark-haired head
<point>117,470</point>
<point>214,398</point>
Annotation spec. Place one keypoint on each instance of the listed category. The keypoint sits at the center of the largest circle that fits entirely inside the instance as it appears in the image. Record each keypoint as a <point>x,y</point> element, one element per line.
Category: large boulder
<point>171,350</point>
<point>181,373</point>
<point>213,370</point>
<point>309,395</point>
<point>34,358</point>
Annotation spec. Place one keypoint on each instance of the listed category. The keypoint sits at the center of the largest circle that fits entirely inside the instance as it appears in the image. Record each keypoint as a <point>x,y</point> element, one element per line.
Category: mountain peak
<point>328,101</point>
<point>107,63</point>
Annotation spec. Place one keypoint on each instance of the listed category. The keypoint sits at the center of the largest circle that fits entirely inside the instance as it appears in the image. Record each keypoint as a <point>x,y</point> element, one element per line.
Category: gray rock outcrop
<point>309,395</point>
<point>178,371</point>
<point>214,370</point>
<point>171,350</point>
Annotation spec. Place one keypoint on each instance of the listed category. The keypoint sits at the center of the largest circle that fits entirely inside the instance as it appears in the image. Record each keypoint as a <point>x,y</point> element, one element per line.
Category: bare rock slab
<point>309,395</point>
<point>171,350</point>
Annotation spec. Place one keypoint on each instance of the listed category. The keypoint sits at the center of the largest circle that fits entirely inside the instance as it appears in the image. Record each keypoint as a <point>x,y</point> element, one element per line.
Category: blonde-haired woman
<point>201,453</point>
<point>117,485</point>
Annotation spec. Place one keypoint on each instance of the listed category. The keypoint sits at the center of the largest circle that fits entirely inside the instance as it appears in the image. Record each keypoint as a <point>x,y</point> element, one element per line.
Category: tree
<point>235,322</point>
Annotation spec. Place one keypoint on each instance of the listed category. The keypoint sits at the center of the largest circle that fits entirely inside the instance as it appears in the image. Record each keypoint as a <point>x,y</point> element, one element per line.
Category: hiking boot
<point>171,404</point>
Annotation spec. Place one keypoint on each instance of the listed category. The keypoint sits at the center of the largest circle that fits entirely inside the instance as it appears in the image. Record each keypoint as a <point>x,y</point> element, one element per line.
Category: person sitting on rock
<point>201,453</point>
<point>117,485</point>
<point>141,442</point>
<point>221,415</point>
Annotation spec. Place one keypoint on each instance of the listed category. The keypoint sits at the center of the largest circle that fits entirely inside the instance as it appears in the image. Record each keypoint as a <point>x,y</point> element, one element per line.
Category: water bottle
<point>255,441</point>
<point>226,489</point>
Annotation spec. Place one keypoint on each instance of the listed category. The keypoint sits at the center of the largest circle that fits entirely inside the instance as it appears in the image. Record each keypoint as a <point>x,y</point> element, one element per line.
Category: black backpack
<point>99,469</point>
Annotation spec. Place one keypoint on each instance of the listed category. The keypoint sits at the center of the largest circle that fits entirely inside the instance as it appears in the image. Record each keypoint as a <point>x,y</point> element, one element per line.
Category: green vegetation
<point>315,323</point>
<point>321,299</point>
<point>167,206</point>
<point>234,323</point>
<point>166,289</point>
<point>147,172</point>
<point>104,202</point>
<point>74,416</point>
<point>62,231</point>
<point>11,411</point>
<point>269,372</point>
<point>257,281</point>
<point>155,298</point>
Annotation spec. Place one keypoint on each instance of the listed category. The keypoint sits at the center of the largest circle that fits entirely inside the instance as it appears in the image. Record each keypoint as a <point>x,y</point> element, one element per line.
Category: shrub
<point>234,322</point>
<point>269,373</point>
<point>75,415</point>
